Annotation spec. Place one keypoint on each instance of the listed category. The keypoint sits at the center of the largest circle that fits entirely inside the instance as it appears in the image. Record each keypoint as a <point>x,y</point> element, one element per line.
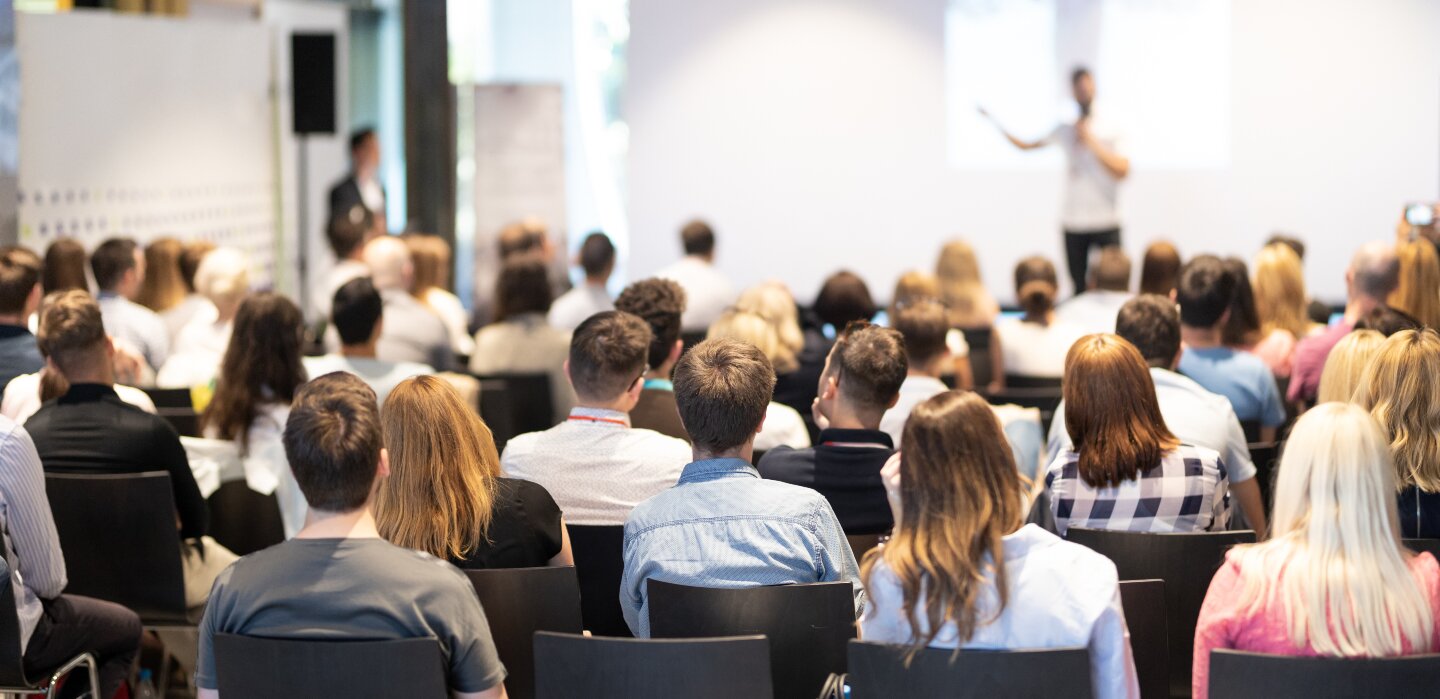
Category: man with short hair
<point>357,315</point>
<point>1374,273</point>
<point>1109,288</point>
<point>347,234</point>
<point>722,525</point>
<point>1205,293</point>
<point>338,579</point>
<point>597,258</point>
<point>708,293</point>
<point>860,381</point>
<point>119,268</point>
<point>595,464</point>
<point>1195,415</point>
<point>661,303</point>
<point>19,299</point>
<point>411,331</point>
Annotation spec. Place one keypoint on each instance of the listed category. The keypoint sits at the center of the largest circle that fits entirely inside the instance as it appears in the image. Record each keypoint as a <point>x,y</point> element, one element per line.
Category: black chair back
<point>247,667</point>
<point>120,543</point>
<point>517,603</point>
<point>1239,675</point>
<point>690,338</point>
<point>1266,456</point>
<point>1432,546</point>
<point>599,553</point>
<point>525,404</point>
<point>879,671</point>
<point>1251,428</point>
<point>1144,602</point>
<point>982,363</point>
<point>12,664</point>
<point>243,520</point>
<point>808,625</point>
<point>860,544</point>
<point>495,410</point>
<point>1031,382</point>
<point>1186,562</point>
<point>177,407</point>
<point>568,666</point>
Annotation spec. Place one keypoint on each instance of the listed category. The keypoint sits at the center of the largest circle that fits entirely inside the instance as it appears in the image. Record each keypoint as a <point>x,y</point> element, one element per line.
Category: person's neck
<point>662,372</point>
<point>1201,338</point>
<point>744,452</point>
<point>100,378</point>
<point>596,282</point>
<point>364,351</point>
<point>1045,318</point>
<point>356,524</point>
<point>846,417</point>
<point>618,405</point>
<point>21,319</point>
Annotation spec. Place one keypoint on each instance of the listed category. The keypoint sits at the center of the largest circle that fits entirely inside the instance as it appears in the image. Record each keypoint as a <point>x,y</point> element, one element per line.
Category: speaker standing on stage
<point>362,186</point>
<point>1096,165</point>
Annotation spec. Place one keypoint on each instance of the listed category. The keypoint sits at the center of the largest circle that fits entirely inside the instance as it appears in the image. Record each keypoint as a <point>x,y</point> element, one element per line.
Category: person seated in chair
<point>357,313</point>
<point>661,303</point>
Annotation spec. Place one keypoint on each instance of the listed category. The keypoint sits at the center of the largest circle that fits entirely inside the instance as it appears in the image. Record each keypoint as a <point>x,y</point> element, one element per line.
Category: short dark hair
<point>71,330</point>
<point>870,364</point>
<point>607,354</point>
<point>359,136</point>
<point>1205,291</point>
<point>348,230</point>
<point>1387,321</point>
<point>597,254</point>
<point>111,260</point>
<point>1151,323</point>
<point>19,273</point>
<point>355,310</point>
<point>924,326</point>
<point>1078,73</point>
<point>722,389</point>
<point>522,237</point>
<point>1289,241</point>
<point>1112,270</point>
<point>332,441</point>
<point>844,297</point>
<point>661,303</point>
<point>698,238</point>
<point>522,287</point>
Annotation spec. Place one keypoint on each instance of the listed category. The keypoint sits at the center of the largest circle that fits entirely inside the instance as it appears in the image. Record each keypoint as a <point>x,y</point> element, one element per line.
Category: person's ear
<point>32,302</point>
<point>893,400</point>
<point>636,388</point>
<point>675,352</point>
<point>53,367</point>
<point>568,377</point>
<point>379,329</point>
<point>831,388</point>
<point>382,469</point>
<point>1179,352</point>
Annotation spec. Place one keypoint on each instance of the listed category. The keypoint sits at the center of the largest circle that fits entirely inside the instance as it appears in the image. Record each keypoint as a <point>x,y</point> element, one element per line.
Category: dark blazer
<point>657,411</point>
<point>345,195</point>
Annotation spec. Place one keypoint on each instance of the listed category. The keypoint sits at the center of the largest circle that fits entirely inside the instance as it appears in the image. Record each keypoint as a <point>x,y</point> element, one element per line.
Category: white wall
<point>812,134</point>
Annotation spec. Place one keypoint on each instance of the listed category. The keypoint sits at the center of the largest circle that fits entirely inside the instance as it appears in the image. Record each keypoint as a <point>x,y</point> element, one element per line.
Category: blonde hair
<point>751,327</point>
<point>440,495</point>
<point>958,271</point>
<point>1279,284</point>
<point>773,302</point>
<point>914,287</point>
<point>1419,291</point>
<point>1346,364</point>
<point>1401,388</point>
<point>223,276</point>
<point>430,256</point>
<point>1334,559</point>
<point>164,286</point>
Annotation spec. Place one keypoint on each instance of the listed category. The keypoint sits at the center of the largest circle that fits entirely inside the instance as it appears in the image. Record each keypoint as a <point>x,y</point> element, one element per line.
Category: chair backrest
<point>1239,675</point>
<point>1186,562</point>
<point>243,520</point>
<point>878,671</point>
<point>808,625</point>
<point>12,664</point>
<point>599,553</point>
<point>1424,545</point>
<point>120,543</point>
<point>1144,603</point>
<point>1031,382</point>
<point>494,409</point>
<point>690,338</point>
<point>1266,456</point>
<point>527,400</point>
<point>569,666</point>
<point>517,603</point>
<point>170,398</point>
<point>860,544</point>
<point>1251,428</point>
<point>982,366</point>
<point>247,667</point>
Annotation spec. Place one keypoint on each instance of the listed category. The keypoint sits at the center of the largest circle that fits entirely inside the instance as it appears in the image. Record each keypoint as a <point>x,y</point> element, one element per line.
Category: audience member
<point>119,271</point>
<point>920,288</point>
<point>1242,326</point>
<point>1160,268</point>
<point>162,288</point>
<point>526,238</point>
<point>412,332</point>
<point>595,464</point>
<point>64,267</point>
<point>1346,365</point>
<point>1035,344</point>
<point>1418,289</point>
<point>797,366</point>
<point>1318,312</point>
<point>338,579</point>
<point>661,304</point>
<point>959,508</point>
<point>431,257</point>
<point>844,298</point>
<point>445,496</point>
<point>358,317</point>
<point>783,425</point>
<point>1333,580</point>
<point>361,187</point>
<point>520,340</point>
<point>707,291</point>
<point>1279,284</point>
<point>1109,478</point>
<point>194,304</point>
<point>1373,275</point>
<point>597,260</point>
<point>223,279</point>
<point>1387,321</point>
<point>722,525</point>
<point>19,299</point>
<point>1401,388</point>
<point>347,233</point>
<point>860,381</point>
<point>1093,311</point>
<point>961,288</point>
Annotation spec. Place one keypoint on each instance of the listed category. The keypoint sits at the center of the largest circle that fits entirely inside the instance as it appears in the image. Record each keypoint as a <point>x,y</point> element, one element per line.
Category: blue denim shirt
<point>723,526</point>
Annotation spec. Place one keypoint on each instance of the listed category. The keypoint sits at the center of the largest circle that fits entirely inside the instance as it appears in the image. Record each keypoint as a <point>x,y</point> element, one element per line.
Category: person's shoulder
<point>1077,561</point>
<point>661,443</point>
<point>784,462</point>
<point>1191,452</point>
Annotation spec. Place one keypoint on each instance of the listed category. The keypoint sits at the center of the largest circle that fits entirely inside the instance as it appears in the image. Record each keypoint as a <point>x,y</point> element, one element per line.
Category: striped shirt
<point>1185,492</point>
<point>32,548</point>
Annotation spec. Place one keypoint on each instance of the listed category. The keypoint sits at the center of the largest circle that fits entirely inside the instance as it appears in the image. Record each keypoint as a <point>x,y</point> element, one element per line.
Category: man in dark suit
<point>362,186</point>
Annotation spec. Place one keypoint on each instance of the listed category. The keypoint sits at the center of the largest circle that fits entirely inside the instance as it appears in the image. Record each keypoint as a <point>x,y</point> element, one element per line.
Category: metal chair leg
<point>83,659</point>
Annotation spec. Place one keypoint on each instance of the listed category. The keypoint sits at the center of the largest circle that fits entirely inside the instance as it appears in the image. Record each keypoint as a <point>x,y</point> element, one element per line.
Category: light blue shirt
<point>1239,376</point>
<point>138,327</point>
<point>723,526</point>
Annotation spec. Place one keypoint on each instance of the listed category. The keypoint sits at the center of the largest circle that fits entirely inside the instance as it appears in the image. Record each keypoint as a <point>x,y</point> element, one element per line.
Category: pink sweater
<point>1222,625</point>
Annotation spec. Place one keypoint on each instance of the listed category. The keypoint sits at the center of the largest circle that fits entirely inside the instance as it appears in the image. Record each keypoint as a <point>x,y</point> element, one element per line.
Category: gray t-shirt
<point>352,589</point>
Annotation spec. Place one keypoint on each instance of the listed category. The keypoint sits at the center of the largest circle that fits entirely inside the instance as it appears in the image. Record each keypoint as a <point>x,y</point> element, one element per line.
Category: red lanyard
<point>611,420</point>
<point>855,445</point>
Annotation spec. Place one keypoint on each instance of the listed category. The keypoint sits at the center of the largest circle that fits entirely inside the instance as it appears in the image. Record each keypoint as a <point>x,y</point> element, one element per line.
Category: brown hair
<point>722,389</point>
<point>111,260</point>
<point>64,267</point>
<point>524,237</point>
<point>1401,388</point>
<point>1279,284</point>
<point>163,287</point>
<point>870,365</point>
<point>440,496</point>
<point>914,287</point>
<point>19,273</point>
<point>961,288</point>
<point>190,259</point>
<point>1160,269</point>
<point>1111,411</point>
<point>1112,270</point>
<point>261,365</point>
<point>607,354</point>
<point>522,287</point>
<point>1036,286</point>
<point>924,326</point>
<point>843,298</point>
<point>1242,328</point>
<point>430,256</point>
<point>332,441</point>
<point>697,238</point>
<point>661,303</point>
<point>348,231</point>
<point>1419,291</point>
<point>960,494</point>
<point>71,331</point>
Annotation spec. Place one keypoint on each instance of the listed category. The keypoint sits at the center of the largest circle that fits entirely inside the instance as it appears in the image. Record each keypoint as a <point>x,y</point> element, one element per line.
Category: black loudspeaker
<point>312,83</point>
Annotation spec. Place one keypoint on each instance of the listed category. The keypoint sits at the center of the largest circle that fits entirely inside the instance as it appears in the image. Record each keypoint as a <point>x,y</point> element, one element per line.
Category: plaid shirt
<point>1186,492</point>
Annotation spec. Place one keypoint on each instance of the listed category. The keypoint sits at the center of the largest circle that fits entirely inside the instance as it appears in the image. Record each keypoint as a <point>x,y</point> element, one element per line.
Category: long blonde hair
<point>961,288</point>
<point>440,495</point>
<point>1346,365</point>
<point>1334,559</point>
<point>163,287</point>
<point>430,258</point>
<point>1401,388</point>
<point>1279,284</point>
<point>774,302</point>
<point>1419,291</point>
<point>751,327</point>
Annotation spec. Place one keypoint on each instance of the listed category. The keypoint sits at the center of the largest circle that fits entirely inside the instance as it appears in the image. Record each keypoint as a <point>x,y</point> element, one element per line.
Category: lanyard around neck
<point>591,418</point>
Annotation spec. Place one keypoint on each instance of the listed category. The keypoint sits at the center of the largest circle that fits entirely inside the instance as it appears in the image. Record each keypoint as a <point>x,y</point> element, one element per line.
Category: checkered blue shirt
<point>1186,492</point>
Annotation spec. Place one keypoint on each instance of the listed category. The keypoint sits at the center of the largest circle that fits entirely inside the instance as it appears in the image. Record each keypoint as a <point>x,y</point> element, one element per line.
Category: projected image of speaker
<point>312,81</point>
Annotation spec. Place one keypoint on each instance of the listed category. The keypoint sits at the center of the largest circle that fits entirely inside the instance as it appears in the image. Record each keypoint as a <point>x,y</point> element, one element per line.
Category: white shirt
<point>372,194</point>
<point>577,304</point>
<point>192,307</point>
<point>1091,192</point>
<point>1061,595</point>
<point>379,375</point>
<point>339,274</point>
<point>22,398</point>
<point>707,292</point>
<point>137,326</point>
<point>914,391</point>
<point>1093,311</point>
<point>596,466</point>
<point>264,467</point>
<point>1032,349</point>
<point>527,344</point>
<point>457,319</point>
<point>783,428</point>
<point>196,355</point>
<point>1021,425</point>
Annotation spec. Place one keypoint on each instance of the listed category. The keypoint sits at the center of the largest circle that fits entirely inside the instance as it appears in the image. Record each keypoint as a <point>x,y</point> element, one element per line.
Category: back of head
<point>190,258</point>
<point>1279,285</point>
<point>522,287</point>
<point>440,492</point>
<point>333,442</point>
<point>1401,388</point>
<point>348,231</point>
<point>64,267</point>
<point>1112,270</point>
<point>924,326</point>
<point>1346,363</point>
<point>1242,328</point>
<point>608,355</point>
<point>223,276</point>
<point>772,301</point>
<point>19,273</point>
<point>1036,285</point>
<point>660,303</point>
<point>1387,321</point>
<point>262,364</point>
<point>1206,290</point>
<point>389,261</point>
<point>1375,270</point>
<point>1419,279</point>
<point>958,274</point>
<point>597,256</point>
<point>525,237</point>
<point>1152,324</point>
<point>723,388</point>
<point>844,297</point>
<point>914,287</point>
<point>71,333</point>
<point>697,238</point>
<point>869,364</point>
<point>1295,244</point>
<point>356,310</point>
<point>430,258</point>
<point>111,260</point>
<point>752,328</point>
<point>163,287</point>
<point>1160,269</point>
<point>1111,411</point>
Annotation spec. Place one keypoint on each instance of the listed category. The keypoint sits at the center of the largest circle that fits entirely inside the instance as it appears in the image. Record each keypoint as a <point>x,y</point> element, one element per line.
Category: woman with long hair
<point>970,305</point>
<point>1124,457</point>
<point>194,304</point>
<point>1242,328</point>
<point>1345,365</point>
<point>1280,302</point>
<point>1333,579</point>
<point>431,258</point>
<point>64,267</point>
<point>959,507</point>
<point>1401,389</point>
<point>1034,345</point>
<point>162,288</point>
<point>521,340</point>
<point>783,424</point>
<point>1419,290</point>
<point>445,495</point>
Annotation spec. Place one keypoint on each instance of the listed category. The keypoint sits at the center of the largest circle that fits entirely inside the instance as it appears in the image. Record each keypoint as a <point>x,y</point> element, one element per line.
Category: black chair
<point>1424,545</point>
<point>517,603</point>
<point>808,625</point>
<point>1186,562</point>
<point>1144,603</point>
<point>1018,381</point>
<point>1240,675</point>
<point>247,667</point>
<point>526,400</point>
<point>13,679</point>
<point>495,410</point>
<point>1251,428</point>
<point>1266,456</point>
<point>568,666</point>
<point>120,543</point>
<point>982,363</point>
<point>599,553</point>
<point>243,520</point>
<point>879,671</point>
<point>690,338</point>
<point>176,406</point>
